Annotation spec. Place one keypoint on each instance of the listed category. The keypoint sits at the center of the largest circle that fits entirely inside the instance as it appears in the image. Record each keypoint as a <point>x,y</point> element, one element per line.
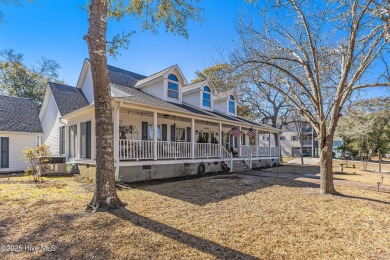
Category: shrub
<point>38,158</point>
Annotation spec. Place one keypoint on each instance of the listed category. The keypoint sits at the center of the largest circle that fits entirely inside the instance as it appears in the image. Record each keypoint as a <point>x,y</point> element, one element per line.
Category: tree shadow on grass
<point>218,188</point>
<point>51,233</point>
<point>362,198</point>
<point>201,244</point>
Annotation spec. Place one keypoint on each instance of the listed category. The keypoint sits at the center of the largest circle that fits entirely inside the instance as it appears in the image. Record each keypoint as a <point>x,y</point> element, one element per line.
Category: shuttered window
<point>4,152</point>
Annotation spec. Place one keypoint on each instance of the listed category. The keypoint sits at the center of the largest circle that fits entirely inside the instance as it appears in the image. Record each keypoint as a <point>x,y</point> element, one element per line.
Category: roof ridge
<point>61,84</point>
<point>108,65</point>
<point>195,83</point>
<point>17,97</point>
<point>161,71</point>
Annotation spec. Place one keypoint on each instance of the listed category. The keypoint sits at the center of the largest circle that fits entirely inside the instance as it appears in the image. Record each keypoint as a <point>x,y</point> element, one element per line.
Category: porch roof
<point>139,97</point>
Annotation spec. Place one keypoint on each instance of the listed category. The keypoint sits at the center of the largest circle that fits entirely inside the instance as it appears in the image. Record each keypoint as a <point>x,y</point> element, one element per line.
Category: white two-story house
<point>163,126</point>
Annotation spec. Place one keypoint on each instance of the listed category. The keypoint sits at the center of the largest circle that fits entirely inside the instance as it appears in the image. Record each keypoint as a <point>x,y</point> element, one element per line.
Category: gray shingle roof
<point>68,98</point>
<point>138,96</point>
<point>123,77</point>
<point>153,76</point>
<point>19,115</point>
<point>193,86</point>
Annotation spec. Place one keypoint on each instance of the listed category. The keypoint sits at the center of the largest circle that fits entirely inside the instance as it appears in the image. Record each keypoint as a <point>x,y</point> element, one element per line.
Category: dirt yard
<point>217,217</point>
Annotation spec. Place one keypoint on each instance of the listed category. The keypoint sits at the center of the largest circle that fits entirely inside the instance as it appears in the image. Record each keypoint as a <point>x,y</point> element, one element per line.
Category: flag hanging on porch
<point>235,131</point>
<point>251,133</point>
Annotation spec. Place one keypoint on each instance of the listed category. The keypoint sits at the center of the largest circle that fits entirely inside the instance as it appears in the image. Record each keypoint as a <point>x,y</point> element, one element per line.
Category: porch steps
<point>240,166</point>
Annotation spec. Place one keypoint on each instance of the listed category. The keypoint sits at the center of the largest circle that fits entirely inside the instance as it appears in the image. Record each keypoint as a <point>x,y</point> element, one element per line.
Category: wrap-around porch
<point>142,135</point>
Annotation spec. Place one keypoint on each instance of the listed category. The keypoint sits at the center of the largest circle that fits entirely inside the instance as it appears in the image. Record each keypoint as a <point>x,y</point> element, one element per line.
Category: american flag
<point>251,133</point>
<point>235,131</point>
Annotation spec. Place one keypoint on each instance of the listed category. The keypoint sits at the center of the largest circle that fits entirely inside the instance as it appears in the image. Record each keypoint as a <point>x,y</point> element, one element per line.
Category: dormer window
<point>232,107</point>
<point>173,86</point>
<point>206,97</point>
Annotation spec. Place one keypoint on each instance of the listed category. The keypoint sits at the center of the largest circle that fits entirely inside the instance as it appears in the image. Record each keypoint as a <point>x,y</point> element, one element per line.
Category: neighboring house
<point>163,126</point>
<point>337,145</point>
<point>19,128</point>
<point>289,139</point>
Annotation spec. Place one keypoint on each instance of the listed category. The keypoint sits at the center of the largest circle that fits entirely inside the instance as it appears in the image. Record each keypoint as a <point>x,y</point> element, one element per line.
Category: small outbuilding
<point>20,127</point>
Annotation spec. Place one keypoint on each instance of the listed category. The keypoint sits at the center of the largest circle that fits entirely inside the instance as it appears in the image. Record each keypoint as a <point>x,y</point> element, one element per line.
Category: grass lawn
<point>225,216</point>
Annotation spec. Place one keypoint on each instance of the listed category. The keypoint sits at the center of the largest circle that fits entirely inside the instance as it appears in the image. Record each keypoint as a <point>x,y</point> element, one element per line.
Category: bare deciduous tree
<point>325,51</point>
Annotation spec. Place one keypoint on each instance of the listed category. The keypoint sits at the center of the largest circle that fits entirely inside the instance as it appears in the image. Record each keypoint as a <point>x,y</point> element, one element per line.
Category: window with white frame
<point>294,138</point>
<point>180,135</point>
<point>206,97</point>
<point>73,143</point>
<point>85,129</point>
<point>282,137</point>
<point>232,106</point>
<point>173,87</point>
<point>151,133</point>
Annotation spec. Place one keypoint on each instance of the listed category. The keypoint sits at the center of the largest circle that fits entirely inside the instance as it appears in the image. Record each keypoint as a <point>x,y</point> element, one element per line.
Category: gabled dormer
<point>166,84</point>
<point>226,103</point>
<point>116,76</point>
<point>200,94</point>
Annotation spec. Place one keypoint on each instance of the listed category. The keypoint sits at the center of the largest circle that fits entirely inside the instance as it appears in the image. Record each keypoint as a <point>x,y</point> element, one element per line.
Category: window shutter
<point>164,134</point>
<point>189,134</point>
<point>243,139</point>
<point>4,152</point>
<point>144,131</point>
<point>173,133</point>
<point>88,148</point>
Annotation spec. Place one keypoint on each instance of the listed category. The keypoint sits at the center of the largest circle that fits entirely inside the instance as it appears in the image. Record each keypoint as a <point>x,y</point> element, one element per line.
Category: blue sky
<point>55,29</point>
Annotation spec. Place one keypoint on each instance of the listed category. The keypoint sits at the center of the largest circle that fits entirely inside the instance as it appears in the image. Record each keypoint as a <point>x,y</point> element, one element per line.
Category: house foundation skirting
<point>133,171</point>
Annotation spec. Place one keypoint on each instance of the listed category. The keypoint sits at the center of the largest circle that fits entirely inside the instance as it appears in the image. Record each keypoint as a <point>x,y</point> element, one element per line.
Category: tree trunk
<point>380,161</point>
<point>301,154</point>
<point>326,182</point>
<point>105,197</point>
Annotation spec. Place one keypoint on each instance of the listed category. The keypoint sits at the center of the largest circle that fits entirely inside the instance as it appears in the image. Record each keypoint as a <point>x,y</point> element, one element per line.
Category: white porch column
<point>239,143</point>
<point>192,138</point>
<point>116,140</point>
<point>257,141</point>
<point>220,139</point>
<point>269,143</point>
<point>155,136</point>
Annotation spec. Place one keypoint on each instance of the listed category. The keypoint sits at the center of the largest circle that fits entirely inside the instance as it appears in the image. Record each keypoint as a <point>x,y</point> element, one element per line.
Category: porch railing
<point>175,150</point>
<point>227,157</point>
<point>135,149</point>
<point>261,151</point>
<point>246,155</point>
<point>207,150</point>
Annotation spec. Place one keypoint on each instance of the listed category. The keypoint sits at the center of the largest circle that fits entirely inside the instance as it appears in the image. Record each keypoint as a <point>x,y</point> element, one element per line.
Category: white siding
<point>18,141</point>
<point>192,98</point>
<point>87,86</point>
<point>51,126</point>
<point>155,89</point>
<point>221,106</point>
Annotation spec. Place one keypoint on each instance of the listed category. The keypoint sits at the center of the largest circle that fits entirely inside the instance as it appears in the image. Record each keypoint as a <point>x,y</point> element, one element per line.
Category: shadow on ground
<point>218,188</point>
<point>201,244</point>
